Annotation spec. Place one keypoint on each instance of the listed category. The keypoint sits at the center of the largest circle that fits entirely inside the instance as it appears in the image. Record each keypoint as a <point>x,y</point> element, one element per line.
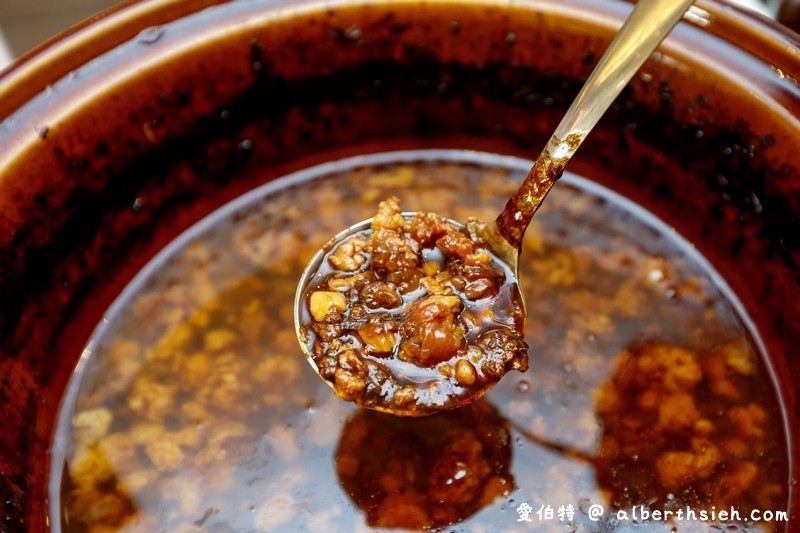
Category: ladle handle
<point>646,26</point>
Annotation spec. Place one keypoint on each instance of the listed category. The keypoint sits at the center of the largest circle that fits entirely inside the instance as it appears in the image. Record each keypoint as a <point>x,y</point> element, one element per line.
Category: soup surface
<point>193,407</point>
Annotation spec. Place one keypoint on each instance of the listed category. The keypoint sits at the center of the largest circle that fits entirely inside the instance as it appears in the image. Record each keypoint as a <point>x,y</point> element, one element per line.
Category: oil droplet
<point>354,33</point>
<point>523,386</point>
<point>150,35</point>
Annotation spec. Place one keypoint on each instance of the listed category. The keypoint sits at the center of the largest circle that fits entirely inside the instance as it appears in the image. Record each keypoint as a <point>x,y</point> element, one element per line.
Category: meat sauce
<point>413,315</point>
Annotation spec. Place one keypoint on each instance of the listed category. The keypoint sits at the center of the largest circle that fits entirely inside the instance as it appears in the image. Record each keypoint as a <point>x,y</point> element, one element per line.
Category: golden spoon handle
<point>646,26</point>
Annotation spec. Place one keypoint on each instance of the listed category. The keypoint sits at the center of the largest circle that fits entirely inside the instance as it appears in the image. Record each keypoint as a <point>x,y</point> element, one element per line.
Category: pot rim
<point>54,59</point>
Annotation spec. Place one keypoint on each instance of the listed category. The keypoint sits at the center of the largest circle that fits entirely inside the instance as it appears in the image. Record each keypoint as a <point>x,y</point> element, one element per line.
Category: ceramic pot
<point>121,133</point>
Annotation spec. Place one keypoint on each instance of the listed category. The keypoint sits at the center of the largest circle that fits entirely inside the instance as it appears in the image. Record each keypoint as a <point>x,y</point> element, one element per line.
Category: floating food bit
<point>432,334</point>
<point>413,315</point>
<point>465,372</point>
<point>667,424</point>
<point>324,302</point>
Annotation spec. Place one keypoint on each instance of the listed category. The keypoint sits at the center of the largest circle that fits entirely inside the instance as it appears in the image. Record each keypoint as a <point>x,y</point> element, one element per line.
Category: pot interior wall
<point>105,185</point>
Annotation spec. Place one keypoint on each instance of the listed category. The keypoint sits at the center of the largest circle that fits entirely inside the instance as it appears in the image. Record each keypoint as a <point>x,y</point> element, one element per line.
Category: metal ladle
<point>645,28</point>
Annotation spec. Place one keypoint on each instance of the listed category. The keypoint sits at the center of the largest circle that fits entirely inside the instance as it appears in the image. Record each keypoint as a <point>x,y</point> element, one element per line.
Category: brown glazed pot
<point>706,137</point>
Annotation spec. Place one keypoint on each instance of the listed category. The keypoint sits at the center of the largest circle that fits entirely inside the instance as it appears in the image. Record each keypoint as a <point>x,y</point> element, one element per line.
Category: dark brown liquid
<point>196,409</point>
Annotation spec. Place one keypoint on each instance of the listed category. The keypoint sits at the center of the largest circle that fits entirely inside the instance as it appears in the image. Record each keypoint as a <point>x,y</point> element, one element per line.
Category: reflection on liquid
<point>196,409</point>
<point>425,473</point>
